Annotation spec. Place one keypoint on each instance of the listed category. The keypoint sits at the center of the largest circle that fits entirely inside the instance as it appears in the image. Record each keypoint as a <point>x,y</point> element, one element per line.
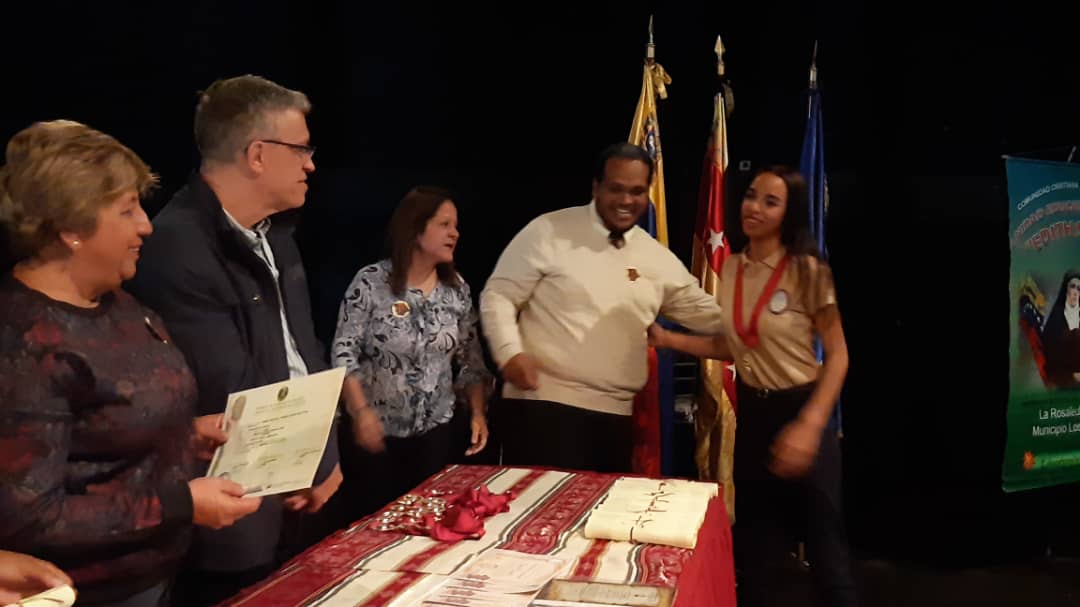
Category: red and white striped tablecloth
<point>363,567</point>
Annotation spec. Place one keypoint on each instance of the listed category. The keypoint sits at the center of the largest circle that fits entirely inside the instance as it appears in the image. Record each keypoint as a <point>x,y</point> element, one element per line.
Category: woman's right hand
<point>219,502</point>
<point>22,575</point>
<point>658,336</point>
<point>368,430</point>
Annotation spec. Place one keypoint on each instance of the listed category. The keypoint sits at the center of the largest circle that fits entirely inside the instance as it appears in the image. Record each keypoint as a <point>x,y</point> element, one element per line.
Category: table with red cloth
<point>361,566</point>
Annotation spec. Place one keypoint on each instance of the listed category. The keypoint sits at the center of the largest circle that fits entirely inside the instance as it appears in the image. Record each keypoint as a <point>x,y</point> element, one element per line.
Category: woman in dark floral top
<point>407,334</point>
<point>96,434</point>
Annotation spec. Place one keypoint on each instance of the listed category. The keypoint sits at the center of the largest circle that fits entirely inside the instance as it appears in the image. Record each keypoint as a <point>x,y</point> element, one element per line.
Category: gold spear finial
<point>719,48</point>
<point>650,50</point>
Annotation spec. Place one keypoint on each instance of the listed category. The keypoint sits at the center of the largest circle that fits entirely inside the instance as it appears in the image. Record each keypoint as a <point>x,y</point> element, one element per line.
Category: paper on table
<point>61,596</point>
<point>467,597</point>
<point>568,593</point>
<point>675,485</point>
<point>512,571</point>
<point>498,578</point>
<point>278,432</point>
<point>667,512</point>
<point>677,532</point>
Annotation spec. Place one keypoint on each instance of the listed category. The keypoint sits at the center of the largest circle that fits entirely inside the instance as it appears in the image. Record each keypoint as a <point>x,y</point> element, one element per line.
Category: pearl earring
<point>75,243</point>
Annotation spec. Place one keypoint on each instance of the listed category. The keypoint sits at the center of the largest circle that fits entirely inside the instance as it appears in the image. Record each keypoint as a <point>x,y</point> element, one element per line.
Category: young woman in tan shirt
<point>777,296</point>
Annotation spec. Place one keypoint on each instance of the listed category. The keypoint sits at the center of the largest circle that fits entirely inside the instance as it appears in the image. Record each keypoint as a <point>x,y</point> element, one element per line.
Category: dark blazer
<point>220,304</point>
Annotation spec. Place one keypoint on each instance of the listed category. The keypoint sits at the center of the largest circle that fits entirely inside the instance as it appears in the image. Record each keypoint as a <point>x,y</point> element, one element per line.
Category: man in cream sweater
<point>566,312</point>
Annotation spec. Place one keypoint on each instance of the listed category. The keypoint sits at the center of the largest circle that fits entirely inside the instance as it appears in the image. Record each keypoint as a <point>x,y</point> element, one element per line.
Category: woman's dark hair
<point>409,221</point>
<point>795,230</point>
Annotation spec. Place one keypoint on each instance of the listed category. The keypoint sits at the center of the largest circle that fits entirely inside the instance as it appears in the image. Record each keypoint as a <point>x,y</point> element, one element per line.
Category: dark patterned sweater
<point>95,420</point>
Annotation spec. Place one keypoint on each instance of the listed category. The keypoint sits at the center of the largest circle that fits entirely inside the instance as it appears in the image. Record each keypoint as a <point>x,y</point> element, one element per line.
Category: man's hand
<point>523,371</point>
<point>22,576</point>
<point>208,435</point>
<point>312,500</point>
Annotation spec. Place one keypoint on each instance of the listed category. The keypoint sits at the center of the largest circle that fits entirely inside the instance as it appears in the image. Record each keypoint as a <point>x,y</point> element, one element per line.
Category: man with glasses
<point>224,272</point>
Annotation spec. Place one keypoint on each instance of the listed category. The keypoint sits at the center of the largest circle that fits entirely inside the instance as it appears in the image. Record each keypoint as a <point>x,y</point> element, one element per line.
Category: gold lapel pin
<point>400,309</point>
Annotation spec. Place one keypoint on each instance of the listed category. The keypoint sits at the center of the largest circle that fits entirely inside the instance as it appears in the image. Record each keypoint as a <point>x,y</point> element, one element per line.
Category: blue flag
<point>812,167</point>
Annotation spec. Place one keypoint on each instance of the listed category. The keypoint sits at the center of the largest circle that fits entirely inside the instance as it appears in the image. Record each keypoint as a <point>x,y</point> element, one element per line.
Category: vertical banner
<point>1043,443</point>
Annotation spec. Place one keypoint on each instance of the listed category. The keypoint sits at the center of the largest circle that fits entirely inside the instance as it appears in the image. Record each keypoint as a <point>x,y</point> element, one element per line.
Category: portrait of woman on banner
<point>1061,335</point>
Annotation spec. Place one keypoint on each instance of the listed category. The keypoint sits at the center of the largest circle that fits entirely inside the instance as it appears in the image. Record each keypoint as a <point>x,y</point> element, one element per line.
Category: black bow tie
<point>617,239</point>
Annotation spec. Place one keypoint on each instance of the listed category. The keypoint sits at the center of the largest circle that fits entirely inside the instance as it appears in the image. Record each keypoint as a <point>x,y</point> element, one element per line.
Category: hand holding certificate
<point>277,433</point>
<point>22,575</point>
<point>61,596</point>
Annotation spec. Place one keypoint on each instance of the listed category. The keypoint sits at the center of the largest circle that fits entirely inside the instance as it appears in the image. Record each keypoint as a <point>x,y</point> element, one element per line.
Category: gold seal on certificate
<point>278,432</point>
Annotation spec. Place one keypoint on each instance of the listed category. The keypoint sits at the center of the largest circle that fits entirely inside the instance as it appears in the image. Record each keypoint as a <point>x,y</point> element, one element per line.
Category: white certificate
<point>497,578</point>
<point>278,432</point>
<point>61,596</point>
<point>511,572</point>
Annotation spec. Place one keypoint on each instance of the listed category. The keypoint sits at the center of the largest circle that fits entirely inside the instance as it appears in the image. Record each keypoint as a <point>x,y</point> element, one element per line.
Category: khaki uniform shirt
<point>785,356</point>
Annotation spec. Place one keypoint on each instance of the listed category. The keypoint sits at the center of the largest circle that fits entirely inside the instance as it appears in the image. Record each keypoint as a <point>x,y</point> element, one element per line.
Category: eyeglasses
<point>304,150</point>
<point>1073,285</point>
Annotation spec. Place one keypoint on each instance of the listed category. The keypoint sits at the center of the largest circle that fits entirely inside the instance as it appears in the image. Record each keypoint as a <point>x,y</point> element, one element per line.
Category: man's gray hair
<point>232,111</point>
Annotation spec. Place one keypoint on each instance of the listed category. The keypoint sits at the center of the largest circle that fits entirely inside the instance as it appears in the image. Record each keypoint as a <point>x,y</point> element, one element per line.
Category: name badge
<point>400,309</point>
<point>779,301</point>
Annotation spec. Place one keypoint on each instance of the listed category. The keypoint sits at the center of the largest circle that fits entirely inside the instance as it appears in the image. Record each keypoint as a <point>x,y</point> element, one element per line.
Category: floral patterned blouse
<point>410,353</point>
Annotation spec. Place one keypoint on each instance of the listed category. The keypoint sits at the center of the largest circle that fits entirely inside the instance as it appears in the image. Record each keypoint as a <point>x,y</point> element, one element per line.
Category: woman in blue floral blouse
<point>407,335</point>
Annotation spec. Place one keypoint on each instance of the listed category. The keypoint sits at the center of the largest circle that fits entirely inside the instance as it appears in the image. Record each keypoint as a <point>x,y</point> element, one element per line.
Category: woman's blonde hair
<point>57,177</point>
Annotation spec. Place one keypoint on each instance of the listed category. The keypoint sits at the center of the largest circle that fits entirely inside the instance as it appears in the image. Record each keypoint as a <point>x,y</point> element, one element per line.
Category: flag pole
<point>726,94</point>
<point>719,49</point>
<point>813,80</point>
<point>650,48</point>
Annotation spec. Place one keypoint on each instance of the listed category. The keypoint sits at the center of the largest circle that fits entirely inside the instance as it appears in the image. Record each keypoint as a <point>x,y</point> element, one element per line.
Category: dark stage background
<point>509,105</point>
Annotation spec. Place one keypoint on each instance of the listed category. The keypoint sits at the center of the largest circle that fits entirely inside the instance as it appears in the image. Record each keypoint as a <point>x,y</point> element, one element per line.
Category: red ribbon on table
<point>447,518</point>
<point>464,518</point>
